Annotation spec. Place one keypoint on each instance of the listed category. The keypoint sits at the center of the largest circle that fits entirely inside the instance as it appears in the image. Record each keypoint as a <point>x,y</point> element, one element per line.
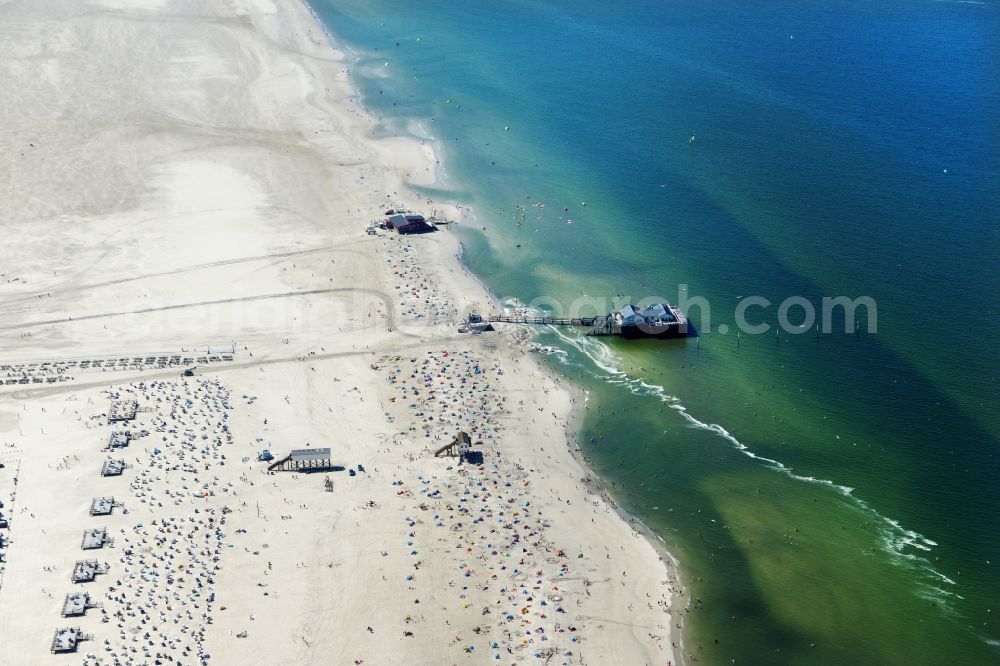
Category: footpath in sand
<point>188,185</point>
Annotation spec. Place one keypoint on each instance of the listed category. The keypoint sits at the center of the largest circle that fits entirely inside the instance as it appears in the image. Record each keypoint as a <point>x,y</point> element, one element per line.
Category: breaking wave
<point>895,539</point>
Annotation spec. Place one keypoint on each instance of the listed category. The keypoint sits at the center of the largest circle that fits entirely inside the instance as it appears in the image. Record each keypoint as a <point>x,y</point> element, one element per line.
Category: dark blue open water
<point>833,498</point>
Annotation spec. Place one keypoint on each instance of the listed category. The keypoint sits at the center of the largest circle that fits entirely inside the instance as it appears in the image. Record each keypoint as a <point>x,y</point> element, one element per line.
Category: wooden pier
<point>604,325</point>
<point>629,322</point>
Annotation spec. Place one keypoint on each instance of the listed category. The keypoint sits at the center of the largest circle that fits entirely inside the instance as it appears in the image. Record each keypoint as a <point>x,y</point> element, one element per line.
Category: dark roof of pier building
<point>632,315</point>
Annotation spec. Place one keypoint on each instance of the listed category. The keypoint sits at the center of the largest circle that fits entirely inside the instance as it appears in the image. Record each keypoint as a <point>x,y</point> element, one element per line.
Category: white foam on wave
<point>512,307</point>
<point>895,538</point>
<point>561,355</point>
<point>600,354</point>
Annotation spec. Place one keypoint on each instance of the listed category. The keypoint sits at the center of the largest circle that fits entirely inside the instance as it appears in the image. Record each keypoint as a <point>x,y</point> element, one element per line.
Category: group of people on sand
<point>160,595</point>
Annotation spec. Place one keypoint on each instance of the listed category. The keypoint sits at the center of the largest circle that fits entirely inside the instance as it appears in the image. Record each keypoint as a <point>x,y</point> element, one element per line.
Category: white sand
<point>187,175</point>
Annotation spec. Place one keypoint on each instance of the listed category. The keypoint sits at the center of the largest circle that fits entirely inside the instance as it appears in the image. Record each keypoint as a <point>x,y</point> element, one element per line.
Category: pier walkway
<point>661,320</point>
<point>604,325</point>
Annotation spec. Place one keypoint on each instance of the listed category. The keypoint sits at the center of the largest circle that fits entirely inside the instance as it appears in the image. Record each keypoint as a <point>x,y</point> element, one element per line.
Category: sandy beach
<point>188,185</point>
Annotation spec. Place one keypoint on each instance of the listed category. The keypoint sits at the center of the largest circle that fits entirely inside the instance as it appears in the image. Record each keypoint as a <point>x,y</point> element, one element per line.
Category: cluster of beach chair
<point>53,372</point>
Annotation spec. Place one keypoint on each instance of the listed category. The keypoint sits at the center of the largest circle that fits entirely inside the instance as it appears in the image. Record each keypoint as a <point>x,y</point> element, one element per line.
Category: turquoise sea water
<point>832,498</point>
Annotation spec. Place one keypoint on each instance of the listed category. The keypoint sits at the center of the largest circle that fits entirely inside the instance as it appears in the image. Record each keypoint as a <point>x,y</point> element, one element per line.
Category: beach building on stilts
<point>304,460</point>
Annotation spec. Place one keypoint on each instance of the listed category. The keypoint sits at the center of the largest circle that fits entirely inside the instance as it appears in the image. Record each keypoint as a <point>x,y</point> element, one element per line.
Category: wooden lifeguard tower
<point>459,446</point>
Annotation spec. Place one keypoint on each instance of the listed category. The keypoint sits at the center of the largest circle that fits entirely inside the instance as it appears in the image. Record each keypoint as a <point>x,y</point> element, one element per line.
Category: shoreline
<point>258,251</point>
<point>595,482</point>
<point>598,486</point>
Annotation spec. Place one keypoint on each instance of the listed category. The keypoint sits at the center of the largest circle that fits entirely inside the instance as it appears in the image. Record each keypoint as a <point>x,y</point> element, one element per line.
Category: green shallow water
<point>832,498</point>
